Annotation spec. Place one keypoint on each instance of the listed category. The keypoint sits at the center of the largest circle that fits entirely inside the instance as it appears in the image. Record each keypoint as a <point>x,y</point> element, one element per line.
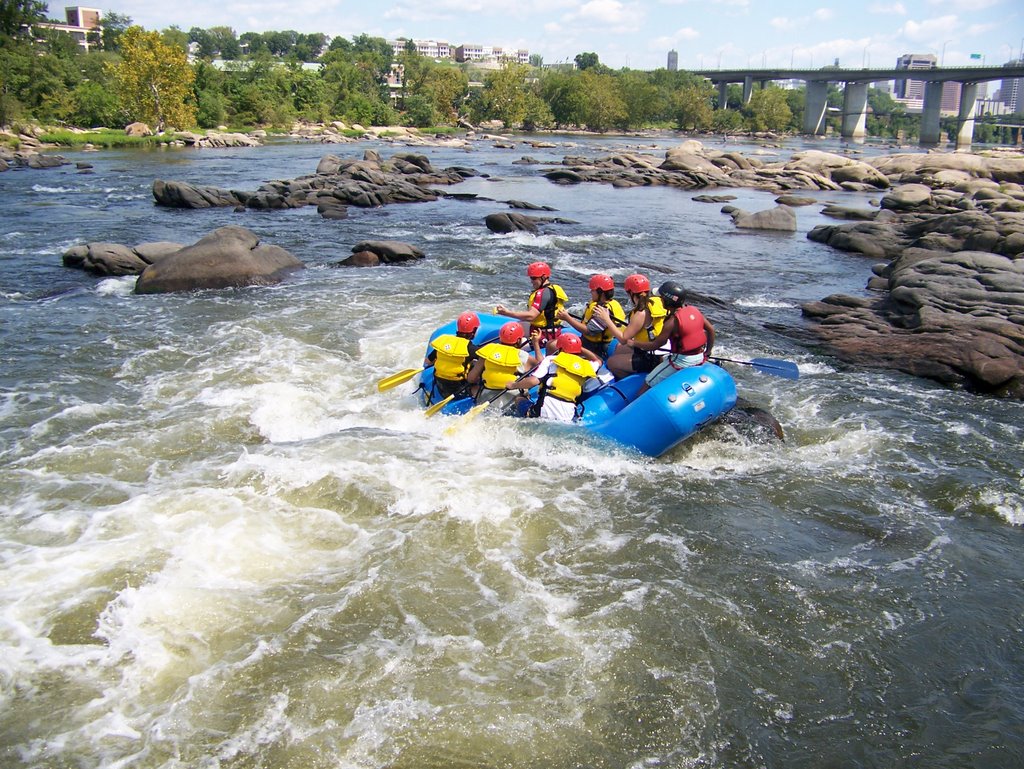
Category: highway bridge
<point>855,84</point>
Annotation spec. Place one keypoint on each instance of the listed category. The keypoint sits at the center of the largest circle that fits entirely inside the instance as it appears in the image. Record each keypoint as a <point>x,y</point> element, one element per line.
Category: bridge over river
<point>855,93</point>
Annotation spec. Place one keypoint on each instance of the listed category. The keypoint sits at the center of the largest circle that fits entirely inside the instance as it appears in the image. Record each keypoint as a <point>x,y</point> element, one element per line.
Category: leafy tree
<point>727,121</point>
<point>768,110</point>
<point>587,60</point>
<point>692,107</point>
<point>114,25</point>
<point>605,107</point>
<point>175,37</point>
<point>154,80</point>
<point>446,87</point>
<point>504,96</point>
<point>95,105</point>
<point>645,102</point>
<point>566,97</point>
<point>16,15</point>
<point>206,45</point>
<point>252,42</point>
<point>225,42</point>
<point>536,60</point>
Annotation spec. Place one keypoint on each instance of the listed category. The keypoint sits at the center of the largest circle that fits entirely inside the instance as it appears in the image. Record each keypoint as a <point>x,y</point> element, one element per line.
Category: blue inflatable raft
<point>663,417</point>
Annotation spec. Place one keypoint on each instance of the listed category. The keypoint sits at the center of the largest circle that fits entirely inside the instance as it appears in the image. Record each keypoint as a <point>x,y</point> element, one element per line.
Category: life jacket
<point>658,314</point>
<point>452,357</point>
<point>605,335</point>
<point>501,364</point>
<point>571,371</point>
<point>690,337</point>
<point>557,300</point>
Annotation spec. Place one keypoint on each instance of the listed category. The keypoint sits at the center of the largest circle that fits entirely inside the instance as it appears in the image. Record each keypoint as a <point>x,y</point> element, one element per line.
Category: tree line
<point>136,75</point>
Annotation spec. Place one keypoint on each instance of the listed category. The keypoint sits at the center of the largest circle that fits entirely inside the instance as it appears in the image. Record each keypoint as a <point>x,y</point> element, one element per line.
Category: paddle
<point>472,414</point>
<point>461,392</point>
<point>390,382</point>
<point>781,368</point>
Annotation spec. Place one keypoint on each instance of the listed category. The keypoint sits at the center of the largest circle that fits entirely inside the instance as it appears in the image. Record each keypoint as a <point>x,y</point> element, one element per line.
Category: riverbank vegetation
<point>272,79</point>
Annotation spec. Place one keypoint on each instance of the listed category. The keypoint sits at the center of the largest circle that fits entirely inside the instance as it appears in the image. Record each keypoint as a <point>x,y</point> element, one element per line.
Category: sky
<point>707,34</point>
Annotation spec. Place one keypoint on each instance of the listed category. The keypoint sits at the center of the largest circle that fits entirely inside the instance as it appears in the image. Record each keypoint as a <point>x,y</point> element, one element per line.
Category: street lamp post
<point>942,59</point>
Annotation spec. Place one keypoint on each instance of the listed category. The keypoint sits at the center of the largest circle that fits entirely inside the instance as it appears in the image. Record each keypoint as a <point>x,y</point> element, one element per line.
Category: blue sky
<point>639,33</point>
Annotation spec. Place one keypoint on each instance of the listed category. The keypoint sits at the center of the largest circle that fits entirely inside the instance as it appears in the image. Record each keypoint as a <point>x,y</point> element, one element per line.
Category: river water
<point>220,546</point>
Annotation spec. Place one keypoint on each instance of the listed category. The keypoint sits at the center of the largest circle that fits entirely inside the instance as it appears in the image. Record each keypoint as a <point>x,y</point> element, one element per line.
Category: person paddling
<point>562,376</point>
<point>690,335</point>
<point>499,363</point>
<point>451,356</point>
<point>594,331</point>
<point>545,301</point>
<point>646,317</point>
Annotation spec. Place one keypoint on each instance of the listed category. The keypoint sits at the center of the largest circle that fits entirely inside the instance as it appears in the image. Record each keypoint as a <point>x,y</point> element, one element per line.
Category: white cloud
<point>783,23</point>
<point>888,9</point>
<point>823,14</point>
<point>930,29</point>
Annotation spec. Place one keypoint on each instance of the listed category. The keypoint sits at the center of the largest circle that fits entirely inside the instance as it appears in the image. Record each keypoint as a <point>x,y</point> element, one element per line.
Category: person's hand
<point>563,314</point>
<point>500,310</point>
<point>602,313</point>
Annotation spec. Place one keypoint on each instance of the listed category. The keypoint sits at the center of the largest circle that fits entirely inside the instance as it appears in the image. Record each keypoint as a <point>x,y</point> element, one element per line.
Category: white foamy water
<point>221,546</point>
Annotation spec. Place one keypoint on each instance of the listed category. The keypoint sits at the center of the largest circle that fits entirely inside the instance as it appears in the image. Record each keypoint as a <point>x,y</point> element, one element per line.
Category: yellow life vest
<point>501,364</point>
<point>571,371</point>
<point>614,310</point>
<point>452,357</point>
<point>658,315</point>
<point>547,318</point>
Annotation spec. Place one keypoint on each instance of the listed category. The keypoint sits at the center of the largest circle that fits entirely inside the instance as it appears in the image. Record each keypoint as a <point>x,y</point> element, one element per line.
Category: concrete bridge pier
<point>931,132</point>
<point>814,110</point>
<point>723,95</point>
<point>855,103</point>
<point>965,118</point>
<point>748,89</point>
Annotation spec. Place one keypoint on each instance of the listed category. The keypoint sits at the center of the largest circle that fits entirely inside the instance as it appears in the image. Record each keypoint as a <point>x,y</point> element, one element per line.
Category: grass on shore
<point>105,137</point>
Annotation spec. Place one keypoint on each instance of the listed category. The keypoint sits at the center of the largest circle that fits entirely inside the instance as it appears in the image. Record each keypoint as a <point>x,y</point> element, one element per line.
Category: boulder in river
<point>227,257</point>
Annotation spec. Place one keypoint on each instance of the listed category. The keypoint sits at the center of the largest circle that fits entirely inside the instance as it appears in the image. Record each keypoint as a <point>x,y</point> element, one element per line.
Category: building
<point>83,24</point>
<point>430,49</point>
<point>1012,91</point>
<point>913,89</point>
<point>673,61</point>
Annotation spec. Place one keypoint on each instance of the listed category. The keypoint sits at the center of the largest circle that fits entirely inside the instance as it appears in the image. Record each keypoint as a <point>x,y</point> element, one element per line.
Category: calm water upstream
<point>221,547</point>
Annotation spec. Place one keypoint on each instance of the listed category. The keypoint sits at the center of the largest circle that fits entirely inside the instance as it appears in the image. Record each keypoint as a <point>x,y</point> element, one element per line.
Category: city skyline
<point>706,33</point>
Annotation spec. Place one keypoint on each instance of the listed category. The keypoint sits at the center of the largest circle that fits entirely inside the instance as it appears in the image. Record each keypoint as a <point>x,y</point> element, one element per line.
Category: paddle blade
<point>390,382</point>
<point>431,410</point>
<point>783,368</point>
<point>466,418</point>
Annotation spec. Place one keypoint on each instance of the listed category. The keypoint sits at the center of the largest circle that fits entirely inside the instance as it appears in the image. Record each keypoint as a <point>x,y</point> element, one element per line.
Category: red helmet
<point>467,323</point>
<point>538,270</point>
<point>570,343</point>
<point>602,283</point>
<point>637,284</point>
<point>511,333</point>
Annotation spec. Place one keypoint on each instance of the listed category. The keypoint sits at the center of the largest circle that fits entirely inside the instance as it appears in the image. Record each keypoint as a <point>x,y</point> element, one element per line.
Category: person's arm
<point>530,314</point>
<point>667,329</point>
<point>710,331</point>
<point>630,330</point>
<point>571,320</point>
<point>475,371</point>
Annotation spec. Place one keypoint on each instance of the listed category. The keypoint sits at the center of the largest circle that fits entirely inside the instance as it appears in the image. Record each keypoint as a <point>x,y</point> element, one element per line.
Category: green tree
<point>504,95</point>
<point>692,107</point>
<point>587,60</point>
<point>225,42</point>
<point>154,80</point>
<point>114,25</point>
<point>95,105</point>
<point>768,110</point>
<point>605,107</point>
<point>175,37</point>
<point>446,88</point>
<point>565,95</point>
<point>645,101</point>
<point>16,15</point>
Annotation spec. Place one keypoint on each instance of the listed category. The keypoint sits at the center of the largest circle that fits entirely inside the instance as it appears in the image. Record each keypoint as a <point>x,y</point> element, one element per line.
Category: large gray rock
<point>114,259</point>
<point>781,218</point>
<point>227,257</point>
<point>388,251</point>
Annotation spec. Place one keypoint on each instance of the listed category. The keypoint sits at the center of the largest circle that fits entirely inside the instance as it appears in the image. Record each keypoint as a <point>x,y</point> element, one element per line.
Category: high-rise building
<point>673,61</point>
<point>1012,91</point>
<point>913,89</point>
